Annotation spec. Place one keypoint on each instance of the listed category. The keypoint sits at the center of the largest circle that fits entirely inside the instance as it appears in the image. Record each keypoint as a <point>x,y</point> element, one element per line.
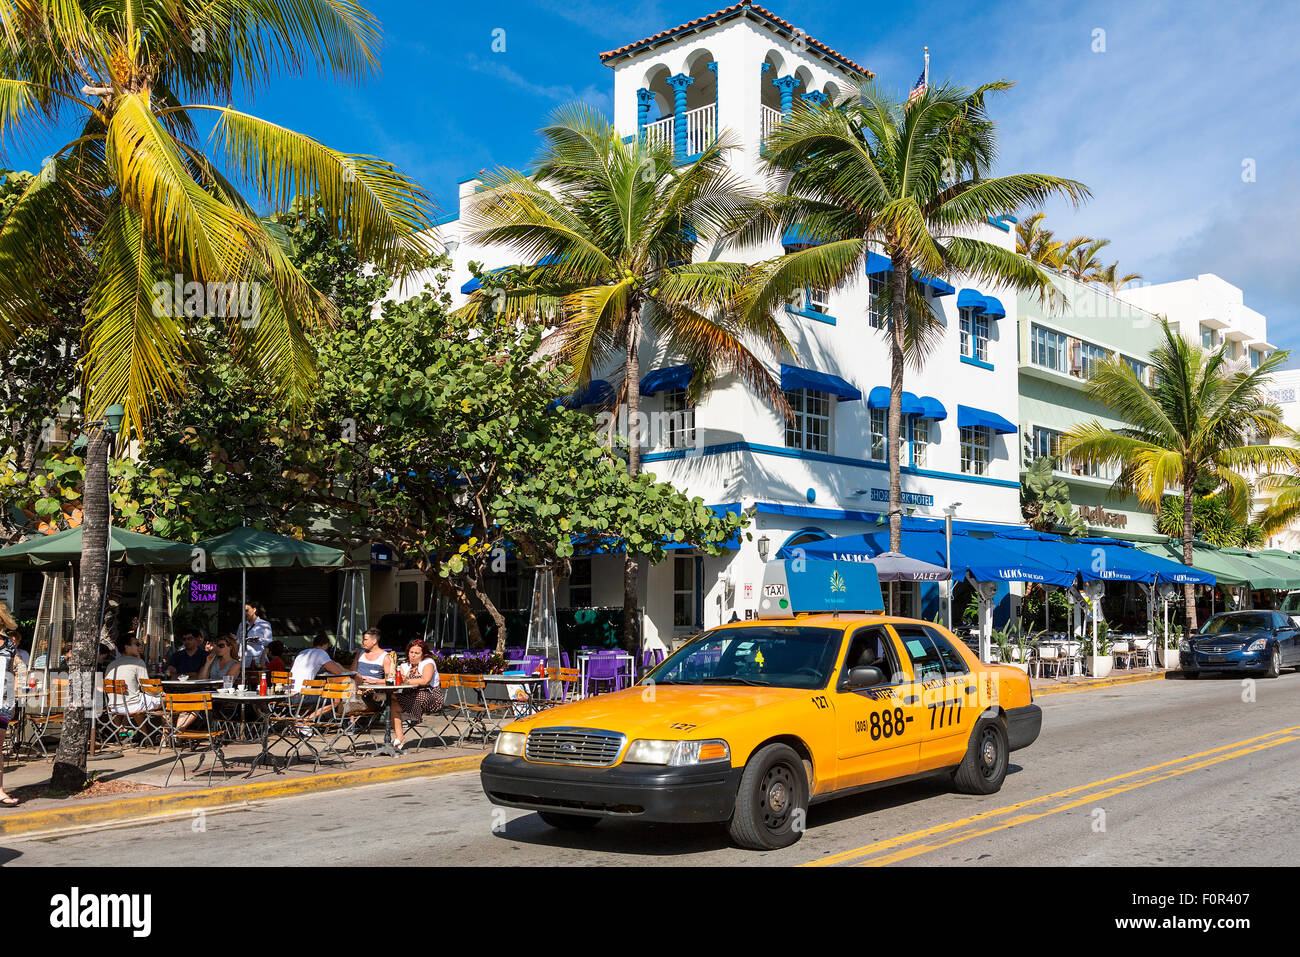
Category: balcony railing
<point>701,128</point>
<point>768,119</point>
<point>659,133</point>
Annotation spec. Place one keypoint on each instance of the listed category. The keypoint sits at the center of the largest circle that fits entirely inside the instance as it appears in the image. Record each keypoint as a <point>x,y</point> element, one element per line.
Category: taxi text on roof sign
<point>801,586</point>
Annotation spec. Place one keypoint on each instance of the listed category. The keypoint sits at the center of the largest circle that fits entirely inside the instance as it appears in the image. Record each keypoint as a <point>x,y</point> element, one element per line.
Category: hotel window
<point>1234,349</point>
<point>975,449</point>
<point>879,434</point>
<point>974,335</point>
<point>1090,356</point>
<point>579,582</point>
<point>877,307</point>
<point>920,441</point>
<point>1256,357</point>
<point>1208,338</point>
<point>1140,369</point>
<point>1048,349</point>
<point>681,419</point>
<point>811,428</point>
<point>684,591</point>
<point>1047,444</point>
<point>818,299</point>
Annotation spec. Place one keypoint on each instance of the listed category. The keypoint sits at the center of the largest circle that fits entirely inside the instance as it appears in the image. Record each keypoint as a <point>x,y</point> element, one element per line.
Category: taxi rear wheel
<point>569,822</point>
<point>987,756</point>
<point>772,800</point>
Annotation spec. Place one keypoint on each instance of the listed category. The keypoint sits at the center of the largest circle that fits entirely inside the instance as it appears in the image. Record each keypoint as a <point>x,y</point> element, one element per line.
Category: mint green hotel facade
<point>1058,345</point>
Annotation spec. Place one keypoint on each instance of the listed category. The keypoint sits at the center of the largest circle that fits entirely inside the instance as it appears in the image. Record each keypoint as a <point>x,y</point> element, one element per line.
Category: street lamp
<point>763,545</point>
<point>948,513</point>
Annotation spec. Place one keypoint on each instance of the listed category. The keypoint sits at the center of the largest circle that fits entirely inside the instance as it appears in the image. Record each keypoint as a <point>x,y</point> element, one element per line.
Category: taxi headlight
<point>677,754</point>
<point>511,742</point>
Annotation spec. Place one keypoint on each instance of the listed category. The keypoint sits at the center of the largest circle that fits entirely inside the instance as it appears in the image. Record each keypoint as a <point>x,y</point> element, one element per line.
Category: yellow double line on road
<point>930,839</point>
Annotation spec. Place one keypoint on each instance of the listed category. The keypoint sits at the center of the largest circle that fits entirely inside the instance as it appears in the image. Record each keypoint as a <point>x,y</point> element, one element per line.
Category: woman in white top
<point>423,696</point>
<point>128,667</point>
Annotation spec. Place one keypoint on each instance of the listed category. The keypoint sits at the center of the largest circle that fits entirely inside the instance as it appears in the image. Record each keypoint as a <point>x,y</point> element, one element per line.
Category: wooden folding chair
<point>199,704</point>
<point>567,680</point>
<point>328,728</point>
<point>484,713</point>
<point>44,712</point>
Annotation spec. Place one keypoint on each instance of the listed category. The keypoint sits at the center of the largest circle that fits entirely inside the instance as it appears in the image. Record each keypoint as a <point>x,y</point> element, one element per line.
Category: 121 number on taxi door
<point>886,724</point>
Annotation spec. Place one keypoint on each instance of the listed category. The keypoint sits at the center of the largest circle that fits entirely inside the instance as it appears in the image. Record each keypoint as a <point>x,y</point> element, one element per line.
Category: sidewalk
<point>1123,676</point>
<point>129,785</point>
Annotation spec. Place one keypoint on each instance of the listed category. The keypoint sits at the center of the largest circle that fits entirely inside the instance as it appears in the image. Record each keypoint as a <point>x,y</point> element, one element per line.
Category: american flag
<point>918,90</point>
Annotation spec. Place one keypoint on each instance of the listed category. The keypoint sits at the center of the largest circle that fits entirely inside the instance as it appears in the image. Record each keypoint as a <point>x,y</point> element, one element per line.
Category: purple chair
<point>602,669</point>
<point>564,659</point>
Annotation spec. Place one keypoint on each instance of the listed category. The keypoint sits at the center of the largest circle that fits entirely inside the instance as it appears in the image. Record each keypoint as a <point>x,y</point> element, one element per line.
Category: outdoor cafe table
<point>621,657</point>
<point>529,684</point>
<point>262,709</point>
<point>177,686</point>
<point>387,691</point>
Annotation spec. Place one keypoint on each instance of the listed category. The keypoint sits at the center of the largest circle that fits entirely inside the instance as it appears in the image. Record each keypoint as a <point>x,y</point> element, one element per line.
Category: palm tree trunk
<point>1189,532</point>
<point>69,771</point>
<point>632,382</point>
<point>897,320</point>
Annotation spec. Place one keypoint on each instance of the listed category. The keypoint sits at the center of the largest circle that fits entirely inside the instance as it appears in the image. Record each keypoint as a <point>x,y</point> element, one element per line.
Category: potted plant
<point>1168,647</point>
<point>1099,660</point>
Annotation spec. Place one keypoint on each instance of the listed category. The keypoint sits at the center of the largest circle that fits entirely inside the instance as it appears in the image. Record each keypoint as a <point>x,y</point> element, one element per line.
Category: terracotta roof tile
<point>749,8</point>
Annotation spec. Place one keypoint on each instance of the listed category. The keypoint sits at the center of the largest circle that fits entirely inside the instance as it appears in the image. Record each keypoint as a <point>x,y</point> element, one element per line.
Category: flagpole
<point>927,68</point>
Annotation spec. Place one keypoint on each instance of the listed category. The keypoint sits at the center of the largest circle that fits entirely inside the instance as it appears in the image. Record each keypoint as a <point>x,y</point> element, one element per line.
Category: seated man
<point>310,664</point>
<point>868,652</point>
<point>190,657</point>
<point>129,668</point>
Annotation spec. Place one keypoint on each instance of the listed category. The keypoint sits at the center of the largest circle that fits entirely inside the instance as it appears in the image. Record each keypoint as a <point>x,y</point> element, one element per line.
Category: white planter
<point>1168,658</point>
<point>1099,666</point>
<point>1018,666</point>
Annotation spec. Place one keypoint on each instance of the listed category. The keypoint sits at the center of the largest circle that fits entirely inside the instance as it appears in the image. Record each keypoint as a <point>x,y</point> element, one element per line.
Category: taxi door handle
<point>911,699</point>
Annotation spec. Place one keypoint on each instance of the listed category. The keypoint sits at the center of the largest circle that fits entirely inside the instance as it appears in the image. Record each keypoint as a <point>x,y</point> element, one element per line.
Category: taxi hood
<point>672,711</point>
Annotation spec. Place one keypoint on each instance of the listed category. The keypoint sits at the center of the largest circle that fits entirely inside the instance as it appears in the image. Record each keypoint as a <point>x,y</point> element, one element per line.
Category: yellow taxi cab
<point>749,723</point>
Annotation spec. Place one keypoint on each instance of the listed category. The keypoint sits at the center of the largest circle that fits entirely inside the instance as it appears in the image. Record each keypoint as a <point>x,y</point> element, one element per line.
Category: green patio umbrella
<point>246,548</point>
<point>125,547</point>
<point>1207,558</point>
<point>1280,573</point>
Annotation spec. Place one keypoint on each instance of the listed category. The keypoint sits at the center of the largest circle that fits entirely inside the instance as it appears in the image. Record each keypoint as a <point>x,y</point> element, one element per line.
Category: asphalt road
<point>1159,773</point>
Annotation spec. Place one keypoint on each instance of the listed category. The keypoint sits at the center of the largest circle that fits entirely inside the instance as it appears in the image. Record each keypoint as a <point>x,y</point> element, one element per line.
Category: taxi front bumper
<point>646,792</point>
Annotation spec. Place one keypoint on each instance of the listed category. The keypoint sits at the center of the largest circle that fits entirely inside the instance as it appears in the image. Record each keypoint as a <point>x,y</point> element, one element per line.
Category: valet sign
<point>203,592</point>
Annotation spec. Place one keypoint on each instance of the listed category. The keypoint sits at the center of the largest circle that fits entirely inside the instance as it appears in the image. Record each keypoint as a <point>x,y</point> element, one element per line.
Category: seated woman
<point>423,696</point>
<point>223,662</point>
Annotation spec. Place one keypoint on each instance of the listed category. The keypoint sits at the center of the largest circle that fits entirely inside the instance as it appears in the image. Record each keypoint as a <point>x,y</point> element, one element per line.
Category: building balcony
<point>701,126</point>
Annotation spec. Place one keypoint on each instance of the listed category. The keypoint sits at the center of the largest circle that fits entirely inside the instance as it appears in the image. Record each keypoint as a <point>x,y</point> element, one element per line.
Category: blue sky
<point>1158,125</point>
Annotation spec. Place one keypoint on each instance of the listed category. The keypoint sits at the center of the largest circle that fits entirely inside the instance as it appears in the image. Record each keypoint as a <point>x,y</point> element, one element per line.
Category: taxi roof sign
<point>801,586</point>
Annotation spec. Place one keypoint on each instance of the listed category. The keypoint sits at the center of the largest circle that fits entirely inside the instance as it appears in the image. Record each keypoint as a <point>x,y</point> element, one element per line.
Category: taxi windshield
<point>780,656</point>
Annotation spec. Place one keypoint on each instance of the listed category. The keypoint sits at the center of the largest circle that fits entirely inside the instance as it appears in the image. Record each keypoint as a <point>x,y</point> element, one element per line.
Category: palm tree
<point>909,179</point>
<point>1037,243</point>
<point>1283,508</point>
<point>1079,257</point>
<point>611,227</point>
<point>135,190</point>
<point>1197,423</point>
<point>1111,278</point>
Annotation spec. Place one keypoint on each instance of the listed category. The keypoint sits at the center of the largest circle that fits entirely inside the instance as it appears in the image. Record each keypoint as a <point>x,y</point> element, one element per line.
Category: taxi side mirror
<point>863,676</point>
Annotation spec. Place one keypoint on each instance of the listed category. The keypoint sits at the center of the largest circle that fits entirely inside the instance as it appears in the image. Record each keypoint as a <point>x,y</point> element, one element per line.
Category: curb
<point>161,805</point>
<point>1103,683</point>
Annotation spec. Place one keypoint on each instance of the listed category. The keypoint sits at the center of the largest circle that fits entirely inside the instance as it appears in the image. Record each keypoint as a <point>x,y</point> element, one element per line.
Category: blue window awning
<point>993,307</point>
<point>937,286</point>
<point>596,392</point>
<point>932,408</point>
<point>792,377</point>
<point>877,263</point>
<point>978,418</point>
<point>797,236</point>
<point>927,408</point>
<point>970,299</point>
<point>670,377</point>
<point>475,283</point>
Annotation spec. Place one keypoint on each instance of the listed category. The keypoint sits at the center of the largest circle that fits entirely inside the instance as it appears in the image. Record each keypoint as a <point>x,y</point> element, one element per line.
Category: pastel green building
<point>1059,344</point>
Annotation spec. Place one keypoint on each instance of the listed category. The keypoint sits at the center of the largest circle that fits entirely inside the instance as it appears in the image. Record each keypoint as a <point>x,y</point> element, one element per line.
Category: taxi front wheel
<point>772,800</point>
<point>987,755</point>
